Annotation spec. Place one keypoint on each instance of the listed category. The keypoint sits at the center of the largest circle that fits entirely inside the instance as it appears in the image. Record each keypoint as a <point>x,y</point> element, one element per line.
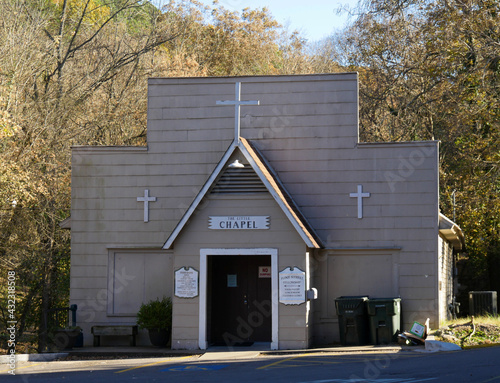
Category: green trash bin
<point>353,320</point>
<point>385,319</point>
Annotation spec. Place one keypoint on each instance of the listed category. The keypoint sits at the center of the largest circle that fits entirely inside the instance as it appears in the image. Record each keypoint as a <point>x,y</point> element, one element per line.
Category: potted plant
<point>156,317</point>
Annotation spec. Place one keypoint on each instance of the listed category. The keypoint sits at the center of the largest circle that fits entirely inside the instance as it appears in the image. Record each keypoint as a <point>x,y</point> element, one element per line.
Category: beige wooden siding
<point>139,276</point>
<point>280,235</point>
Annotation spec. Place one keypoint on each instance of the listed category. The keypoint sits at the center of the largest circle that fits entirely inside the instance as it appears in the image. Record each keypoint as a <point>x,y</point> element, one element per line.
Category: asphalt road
<point>479,365</point>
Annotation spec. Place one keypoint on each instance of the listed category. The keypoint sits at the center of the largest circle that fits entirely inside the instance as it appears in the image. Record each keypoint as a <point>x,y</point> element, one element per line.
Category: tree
<point>221,42</point>
<point>69,72</point>
<point>430,70</point>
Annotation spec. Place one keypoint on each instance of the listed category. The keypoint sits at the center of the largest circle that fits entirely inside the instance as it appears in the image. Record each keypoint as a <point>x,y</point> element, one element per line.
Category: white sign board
<point>238,222</point>
<point>292,285</point>
<point>186,283</point>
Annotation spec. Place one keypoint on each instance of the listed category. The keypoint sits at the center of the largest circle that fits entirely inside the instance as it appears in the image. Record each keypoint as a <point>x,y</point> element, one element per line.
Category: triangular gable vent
<point>239,181</point>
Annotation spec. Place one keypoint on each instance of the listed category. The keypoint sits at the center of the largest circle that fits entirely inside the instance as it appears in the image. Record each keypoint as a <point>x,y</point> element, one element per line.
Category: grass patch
<point>485,331</point>
<point>485,319</point>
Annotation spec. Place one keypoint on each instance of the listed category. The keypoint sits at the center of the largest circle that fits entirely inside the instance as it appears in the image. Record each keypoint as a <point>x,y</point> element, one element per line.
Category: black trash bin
<point>385,319</point>
<point>353,320</point>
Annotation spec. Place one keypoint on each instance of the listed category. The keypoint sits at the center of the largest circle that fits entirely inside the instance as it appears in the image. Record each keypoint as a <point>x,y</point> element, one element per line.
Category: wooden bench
<point>113,330</point>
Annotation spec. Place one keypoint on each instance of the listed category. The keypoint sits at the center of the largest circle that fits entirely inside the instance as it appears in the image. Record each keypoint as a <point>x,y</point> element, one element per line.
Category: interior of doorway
<point>239,304</point>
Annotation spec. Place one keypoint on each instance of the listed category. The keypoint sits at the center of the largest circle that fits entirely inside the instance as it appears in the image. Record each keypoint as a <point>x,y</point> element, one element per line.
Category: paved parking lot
<point>321,367</point>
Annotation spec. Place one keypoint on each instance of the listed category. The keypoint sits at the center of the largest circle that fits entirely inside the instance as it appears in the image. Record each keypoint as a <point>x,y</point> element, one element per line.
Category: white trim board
<point>204,253</point>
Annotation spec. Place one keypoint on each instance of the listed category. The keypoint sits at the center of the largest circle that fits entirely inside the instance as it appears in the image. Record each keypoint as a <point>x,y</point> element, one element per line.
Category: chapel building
<point>254,206</point>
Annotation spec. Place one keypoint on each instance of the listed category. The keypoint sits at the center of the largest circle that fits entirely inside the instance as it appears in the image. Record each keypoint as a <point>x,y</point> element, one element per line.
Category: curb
<point>132,354</point>
<point>481,346</point>
<point>48,357</point>
<point>337,350</point>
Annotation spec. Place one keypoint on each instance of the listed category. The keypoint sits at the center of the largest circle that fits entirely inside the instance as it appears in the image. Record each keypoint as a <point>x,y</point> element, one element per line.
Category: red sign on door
<point>264,271</point>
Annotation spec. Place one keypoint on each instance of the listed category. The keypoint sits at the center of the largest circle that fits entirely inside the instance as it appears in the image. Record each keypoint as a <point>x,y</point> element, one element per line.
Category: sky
<point>315,19</point>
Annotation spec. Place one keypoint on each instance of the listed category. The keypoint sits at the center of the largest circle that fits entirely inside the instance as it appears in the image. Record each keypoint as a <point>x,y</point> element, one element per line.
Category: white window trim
<point>204,253</point>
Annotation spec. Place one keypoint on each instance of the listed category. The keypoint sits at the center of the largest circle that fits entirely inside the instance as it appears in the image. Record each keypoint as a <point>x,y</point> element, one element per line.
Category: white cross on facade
<point>237,103</point>
<point>360,195</point>
<point>146,199</point>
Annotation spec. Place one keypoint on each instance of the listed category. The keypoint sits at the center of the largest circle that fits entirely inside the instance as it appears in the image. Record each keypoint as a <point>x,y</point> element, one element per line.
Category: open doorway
<point>239,308</point>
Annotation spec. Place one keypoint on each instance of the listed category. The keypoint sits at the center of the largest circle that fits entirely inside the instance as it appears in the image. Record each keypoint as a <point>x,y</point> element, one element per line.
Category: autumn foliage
<point>74,72</point>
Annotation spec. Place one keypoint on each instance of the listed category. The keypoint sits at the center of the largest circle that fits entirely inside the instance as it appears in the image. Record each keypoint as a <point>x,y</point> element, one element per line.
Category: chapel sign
<point>292,284</point>
<point>238,222</point>
<point>186,283</point>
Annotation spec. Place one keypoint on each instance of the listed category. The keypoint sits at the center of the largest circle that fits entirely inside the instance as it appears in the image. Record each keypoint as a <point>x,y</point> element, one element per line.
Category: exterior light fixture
<point>236,164</point>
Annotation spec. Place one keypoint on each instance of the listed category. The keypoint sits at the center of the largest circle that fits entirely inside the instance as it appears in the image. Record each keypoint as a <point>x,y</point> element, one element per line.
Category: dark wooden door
<point>239,299</point>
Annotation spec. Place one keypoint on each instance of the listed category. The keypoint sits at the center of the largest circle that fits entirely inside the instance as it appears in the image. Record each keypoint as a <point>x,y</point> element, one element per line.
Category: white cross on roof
<point>237,103</point>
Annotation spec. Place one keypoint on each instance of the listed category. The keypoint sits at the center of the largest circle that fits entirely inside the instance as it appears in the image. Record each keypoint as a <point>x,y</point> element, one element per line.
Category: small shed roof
<point>452,232</point>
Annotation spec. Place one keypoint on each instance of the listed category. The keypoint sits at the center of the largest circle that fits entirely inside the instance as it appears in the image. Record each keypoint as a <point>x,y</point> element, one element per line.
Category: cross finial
<point>237,103</point>
<point>146,199</point>
<point>360,195</point>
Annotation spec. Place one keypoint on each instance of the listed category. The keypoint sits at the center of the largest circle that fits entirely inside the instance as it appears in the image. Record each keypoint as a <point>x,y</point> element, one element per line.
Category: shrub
<point>155,314</point>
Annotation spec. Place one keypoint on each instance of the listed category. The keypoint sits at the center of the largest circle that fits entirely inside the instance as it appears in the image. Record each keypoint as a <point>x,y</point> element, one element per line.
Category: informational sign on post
<point>292,285</point>
<point>186,283</point>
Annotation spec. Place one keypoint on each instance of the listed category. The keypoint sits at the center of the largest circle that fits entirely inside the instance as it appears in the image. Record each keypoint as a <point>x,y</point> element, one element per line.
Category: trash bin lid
<point>351,305</point>
<point>392,306</point>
